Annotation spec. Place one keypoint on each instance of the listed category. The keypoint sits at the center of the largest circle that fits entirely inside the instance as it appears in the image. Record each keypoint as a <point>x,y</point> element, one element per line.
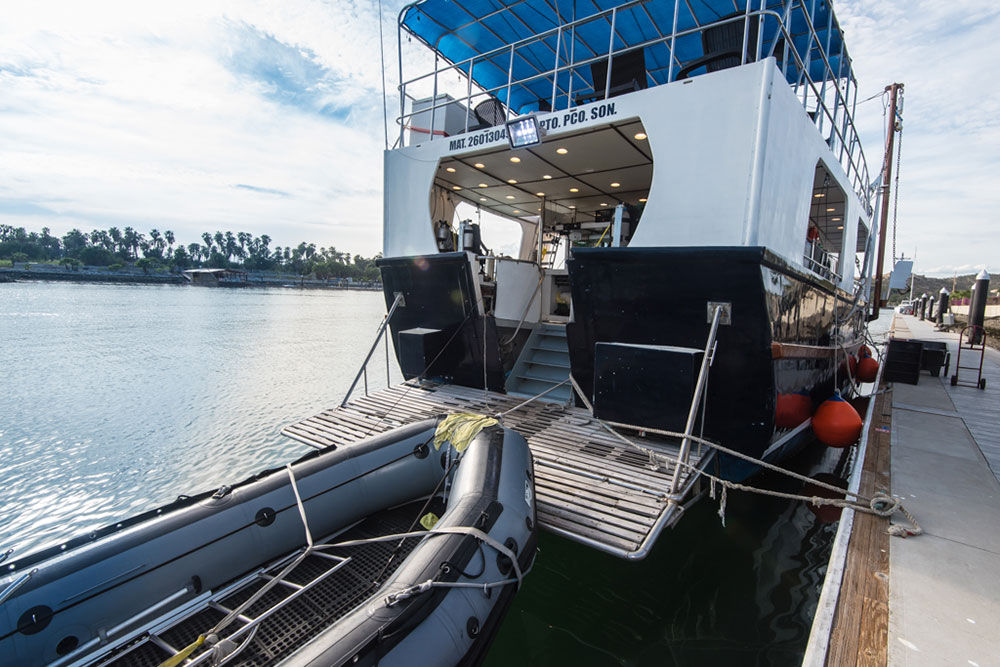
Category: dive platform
<point>590,486</point>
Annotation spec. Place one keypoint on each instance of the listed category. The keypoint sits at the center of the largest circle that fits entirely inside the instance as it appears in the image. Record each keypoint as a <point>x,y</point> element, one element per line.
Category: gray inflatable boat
<point>337,558</point>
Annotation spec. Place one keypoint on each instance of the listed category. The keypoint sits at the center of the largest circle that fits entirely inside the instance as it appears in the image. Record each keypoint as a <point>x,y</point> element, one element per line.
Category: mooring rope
<point>879,504</point>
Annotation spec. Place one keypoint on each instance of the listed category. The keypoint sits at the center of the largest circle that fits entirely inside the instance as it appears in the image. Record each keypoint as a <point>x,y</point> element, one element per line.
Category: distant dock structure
<point>217,277</point>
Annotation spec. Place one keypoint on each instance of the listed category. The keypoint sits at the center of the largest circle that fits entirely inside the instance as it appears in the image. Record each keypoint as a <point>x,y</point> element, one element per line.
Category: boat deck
<point>590,487</point>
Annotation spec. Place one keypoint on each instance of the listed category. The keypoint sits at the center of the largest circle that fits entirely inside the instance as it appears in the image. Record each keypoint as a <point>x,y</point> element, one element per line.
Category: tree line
<point>116,247</point>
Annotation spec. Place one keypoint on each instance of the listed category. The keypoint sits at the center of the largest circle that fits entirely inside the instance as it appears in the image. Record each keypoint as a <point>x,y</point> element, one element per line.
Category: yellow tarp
<point>460,429</point>
<point>429,520</point>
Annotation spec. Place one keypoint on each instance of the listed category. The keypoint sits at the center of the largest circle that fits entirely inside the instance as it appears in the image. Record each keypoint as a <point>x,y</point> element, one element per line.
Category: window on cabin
<point>824,244</point>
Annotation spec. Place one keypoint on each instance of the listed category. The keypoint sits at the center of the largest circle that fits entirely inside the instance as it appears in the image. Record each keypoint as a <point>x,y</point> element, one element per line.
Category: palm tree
<point>207,238</point>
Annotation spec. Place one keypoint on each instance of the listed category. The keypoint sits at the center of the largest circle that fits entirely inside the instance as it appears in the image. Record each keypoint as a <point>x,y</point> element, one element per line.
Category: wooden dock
<point>861,622</point>
<point>929,599</point>
<point>590,486</point>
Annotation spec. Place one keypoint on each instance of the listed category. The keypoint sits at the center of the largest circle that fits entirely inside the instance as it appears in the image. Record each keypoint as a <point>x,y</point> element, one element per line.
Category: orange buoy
<point>792,409</point>
<point>864,351</point>
<point>867,369</point>
<point>836,423</point>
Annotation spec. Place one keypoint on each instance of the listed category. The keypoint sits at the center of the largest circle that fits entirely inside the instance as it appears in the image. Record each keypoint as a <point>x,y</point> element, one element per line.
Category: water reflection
<point>118,399</point>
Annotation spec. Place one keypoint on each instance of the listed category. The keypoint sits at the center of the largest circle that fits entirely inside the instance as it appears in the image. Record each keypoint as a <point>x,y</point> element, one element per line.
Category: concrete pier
<point>944,586</point>
<point>942,606</point>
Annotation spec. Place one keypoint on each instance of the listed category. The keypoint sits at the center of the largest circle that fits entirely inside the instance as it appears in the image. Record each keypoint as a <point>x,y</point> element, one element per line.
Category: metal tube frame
<point>838,112</point>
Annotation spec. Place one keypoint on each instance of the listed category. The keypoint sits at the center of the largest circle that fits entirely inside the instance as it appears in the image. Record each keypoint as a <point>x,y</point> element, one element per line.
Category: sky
<point>266,117</point>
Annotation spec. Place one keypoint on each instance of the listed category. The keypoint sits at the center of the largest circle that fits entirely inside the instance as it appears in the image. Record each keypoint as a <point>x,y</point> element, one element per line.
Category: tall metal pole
<point>894,90</point>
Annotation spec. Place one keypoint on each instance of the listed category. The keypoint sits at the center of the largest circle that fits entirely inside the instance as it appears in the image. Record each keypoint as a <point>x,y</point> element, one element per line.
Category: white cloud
<point>944,53</point>
<point>147,115</point>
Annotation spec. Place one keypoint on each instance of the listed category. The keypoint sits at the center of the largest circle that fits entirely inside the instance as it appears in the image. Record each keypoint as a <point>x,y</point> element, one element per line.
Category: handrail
<point>398,301</point>
<point>699,390</point>
<point>836,111</point>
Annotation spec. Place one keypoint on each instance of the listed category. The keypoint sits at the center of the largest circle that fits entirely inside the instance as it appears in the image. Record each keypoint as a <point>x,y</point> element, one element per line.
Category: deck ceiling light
<point>547,177</point>
<point>482,185</point>
<point>480,165</point>
<point>515,159</point>
<point>639,136</point>
<point>539,194</point>
<point>571,206</point>
<point>510,196</point>
<point>819,194</point>
<point>603,204</point>
<point>455,187</point>
<point>835,219</point>
<point>561,151</point>
<point>840,227</point>
<point>574,189</point>
<point>830,210</point>
<point>642,200</point>
<point>482,199</point>
<point>516,211</point>
<point>450,170</point>
<point>512,181</point>
<point>616,184</point>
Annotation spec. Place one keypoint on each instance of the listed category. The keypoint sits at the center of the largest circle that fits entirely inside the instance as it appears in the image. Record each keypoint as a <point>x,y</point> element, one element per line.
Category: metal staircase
<point>543,364</point>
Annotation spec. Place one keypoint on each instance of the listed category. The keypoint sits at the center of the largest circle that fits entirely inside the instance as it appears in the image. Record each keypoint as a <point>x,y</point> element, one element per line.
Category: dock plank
<point>617,510</point>
<point>861,622</point>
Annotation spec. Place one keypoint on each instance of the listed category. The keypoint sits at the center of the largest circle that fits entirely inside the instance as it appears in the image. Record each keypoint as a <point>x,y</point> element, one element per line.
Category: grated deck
<point>589,486</point>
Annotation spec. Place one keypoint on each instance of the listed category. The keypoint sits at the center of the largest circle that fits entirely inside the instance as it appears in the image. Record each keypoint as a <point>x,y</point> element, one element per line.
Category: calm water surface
<point>116,399</point>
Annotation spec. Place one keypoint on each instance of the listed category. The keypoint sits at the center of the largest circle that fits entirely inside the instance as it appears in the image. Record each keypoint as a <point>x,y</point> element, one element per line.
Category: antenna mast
<point>895,91</point>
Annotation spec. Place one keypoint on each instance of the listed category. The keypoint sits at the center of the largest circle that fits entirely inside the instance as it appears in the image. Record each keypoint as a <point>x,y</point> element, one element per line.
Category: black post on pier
<point>930,308</point>
<point>942,305</point>
<point>923,306</point>
<point>977,306</point>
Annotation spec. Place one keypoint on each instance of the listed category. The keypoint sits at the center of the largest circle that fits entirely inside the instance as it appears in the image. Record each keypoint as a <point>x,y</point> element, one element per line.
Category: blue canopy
<point>485,29</point>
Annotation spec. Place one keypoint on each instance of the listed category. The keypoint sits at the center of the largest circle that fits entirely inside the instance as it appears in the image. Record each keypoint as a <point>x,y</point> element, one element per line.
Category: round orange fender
<point>836,423</point>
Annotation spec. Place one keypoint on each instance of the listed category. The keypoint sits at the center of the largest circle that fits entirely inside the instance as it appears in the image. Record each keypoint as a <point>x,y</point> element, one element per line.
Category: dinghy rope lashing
<point>222,650</point>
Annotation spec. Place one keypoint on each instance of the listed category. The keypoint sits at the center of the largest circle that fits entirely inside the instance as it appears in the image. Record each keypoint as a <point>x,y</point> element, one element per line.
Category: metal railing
<point>830,99</point>
<point>363,371</point>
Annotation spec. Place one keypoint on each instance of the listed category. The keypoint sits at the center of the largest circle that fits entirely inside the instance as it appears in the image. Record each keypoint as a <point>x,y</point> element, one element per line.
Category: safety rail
<point>363,371</point>
<point>830,100</point>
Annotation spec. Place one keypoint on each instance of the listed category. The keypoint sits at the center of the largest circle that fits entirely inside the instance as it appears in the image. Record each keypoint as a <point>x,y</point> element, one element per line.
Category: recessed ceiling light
<point>574,189</point>
<point>539,194</point>
<point>450,170</point>
<point>603,204</point>
<point>482,185</point>
<point>512,181</point>
<point>514,158</point>
<point>571,206</point>
<point>835,219</point>
<point>510,196</point>
<point>455,187</point>
<point>819,194</point>
<point>841,227</point>
<point>642,199</point>
<point>480,165</point>
<point>561,151</point>
<point>546,177</point>
<point>639,136</point>
<point>616,184</point>
<point>516,211</point>
<point>482,199</point>
<point>538,209</point>
<point>830,210</point>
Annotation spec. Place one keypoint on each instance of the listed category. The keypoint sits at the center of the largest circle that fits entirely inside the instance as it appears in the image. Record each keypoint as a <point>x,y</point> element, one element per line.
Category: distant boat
<point>217,277</point>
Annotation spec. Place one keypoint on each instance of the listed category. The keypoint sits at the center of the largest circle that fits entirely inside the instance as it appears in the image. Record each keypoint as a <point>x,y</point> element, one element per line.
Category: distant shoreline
<point>93,275</point>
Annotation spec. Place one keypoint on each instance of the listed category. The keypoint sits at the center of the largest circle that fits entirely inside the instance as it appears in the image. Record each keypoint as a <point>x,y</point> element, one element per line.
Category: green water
<point>118,398</point>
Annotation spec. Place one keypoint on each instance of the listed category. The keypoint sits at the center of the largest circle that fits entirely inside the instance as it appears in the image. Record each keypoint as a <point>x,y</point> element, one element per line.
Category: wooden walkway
<point>861,623</point>
<point>590,487</point>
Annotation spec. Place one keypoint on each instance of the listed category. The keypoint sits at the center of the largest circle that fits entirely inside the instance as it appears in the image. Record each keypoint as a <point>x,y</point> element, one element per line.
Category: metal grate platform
<point>590,487</point>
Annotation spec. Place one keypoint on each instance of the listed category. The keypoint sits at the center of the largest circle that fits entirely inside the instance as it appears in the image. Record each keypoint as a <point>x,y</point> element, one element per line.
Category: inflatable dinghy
<point>387,551</point>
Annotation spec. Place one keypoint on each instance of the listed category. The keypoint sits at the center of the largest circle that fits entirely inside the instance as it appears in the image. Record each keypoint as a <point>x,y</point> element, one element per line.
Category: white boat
<point>716,169</point>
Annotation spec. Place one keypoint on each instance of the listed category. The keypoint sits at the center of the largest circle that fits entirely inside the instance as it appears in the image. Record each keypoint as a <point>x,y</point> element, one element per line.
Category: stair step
<point>546,373</point>
<point>550,347</point>
<point>527,388</point>
<point>535,361</point>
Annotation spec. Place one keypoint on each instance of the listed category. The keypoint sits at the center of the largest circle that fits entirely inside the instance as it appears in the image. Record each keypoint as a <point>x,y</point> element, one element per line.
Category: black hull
<point>781,338</point>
